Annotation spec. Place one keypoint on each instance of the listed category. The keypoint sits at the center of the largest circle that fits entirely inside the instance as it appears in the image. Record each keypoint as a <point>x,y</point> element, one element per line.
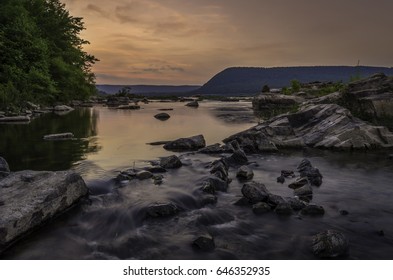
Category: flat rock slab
<point>30,198</point>
<point>186,144</point>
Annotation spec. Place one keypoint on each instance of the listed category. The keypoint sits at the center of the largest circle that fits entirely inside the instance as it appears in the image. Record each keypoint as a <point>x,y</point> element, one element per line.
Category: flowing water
<point>112,224</point>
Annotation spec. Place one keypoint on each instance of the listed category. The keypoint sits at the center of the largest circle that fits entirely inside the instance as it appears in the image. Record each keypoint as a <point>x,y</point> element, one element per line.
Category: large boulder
<point>327,126</point>
<point>32,198</point>
<point>186,144</point>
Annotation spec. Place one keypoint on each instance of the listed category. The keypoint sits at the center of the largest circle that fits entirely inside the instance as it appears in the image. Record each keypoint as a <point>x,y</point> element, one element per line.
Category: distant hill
<point>250,80</point>
<point>149,90</point>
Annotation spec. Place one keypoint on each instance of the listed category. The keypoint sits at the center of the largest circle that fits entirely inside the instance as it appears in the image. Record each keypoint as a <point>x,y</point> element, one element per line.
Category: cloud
<point>98,10</point>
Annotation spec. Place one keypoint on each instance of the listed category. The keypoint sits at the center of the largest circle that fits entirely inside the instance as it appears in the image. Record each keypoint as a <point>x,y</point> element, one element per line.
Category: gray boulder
<point>4,168</point>
<point>330,244</point>
<point>327,126</point>
<point>170,162</point>
<point>186,144</point>
<point>255,192</point>
<point>244,173</point>
<point>32,198</point>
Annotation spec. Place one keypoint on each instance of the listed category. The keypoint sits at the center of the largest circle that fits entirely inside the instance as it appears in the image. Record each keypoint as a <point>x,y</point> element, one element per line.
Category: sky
<point>178,42</point>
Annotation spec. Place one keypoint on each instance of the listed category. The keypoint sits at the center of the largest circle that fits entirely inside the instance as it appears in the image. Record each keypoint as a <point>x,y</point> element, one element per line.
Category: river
<point>112,224</point>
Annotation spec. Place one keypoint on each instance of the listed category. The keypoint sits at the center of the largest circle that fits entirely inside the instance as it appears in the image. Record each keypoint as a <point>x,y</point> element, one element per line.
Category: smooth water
<point>112,224</point>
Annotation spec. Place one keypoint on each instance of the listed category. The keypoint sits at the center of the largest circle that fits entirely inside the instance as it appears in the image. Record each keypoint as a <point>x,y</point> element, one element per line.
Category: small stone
<point>170,162</point>
<point>284,209</point>
<point>381,233</point>
<point>300,182</point>
<point>288,173</point>
<point>204,243</point>
<point>255,192</point>
<point>330,244</point>
<point>344,212</point>
<point>158,179</point>
<point>261,208</point>
<point>161,210</point>
<point>296,203</point>
<point>303,191</point>
<point>281,179</point>
<point>208,188</point>
<point>142,175</point>
<point>245,173</point>
<point>162,116</point>
<point>194,104</point>
<point>313,210</point>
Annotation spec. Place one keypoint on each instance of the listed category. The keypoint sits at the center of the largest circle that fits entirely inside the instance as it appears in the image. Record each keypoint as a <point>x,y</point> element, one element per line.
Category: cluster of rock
<point>327,126</point>
<point>29,199</point>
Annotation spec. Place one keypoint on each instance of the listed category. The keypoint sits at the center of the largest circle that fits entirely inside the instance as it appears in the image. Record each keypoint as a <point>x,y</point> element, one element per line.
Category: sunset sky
<point>188,41</point>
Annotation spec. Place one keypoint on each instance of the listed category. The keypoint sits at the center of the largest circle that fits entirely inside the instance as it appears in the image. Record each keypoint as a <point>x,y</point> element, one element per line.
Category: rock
<point>158,179</point>
<point>330,244</point>
<point>162,116</point>
<point>143,175</point>
<point>391,156</point>
<point>325,126</point>
<point>274,101</point>
<point>296,203</point>
<point>128,107</point>
<point>4,168</point>
<point>204,243</point>
<point>32,106</point>
<point>16,119</point>
<point>300,182</point>
<point>313,210</point>
<point>32,198</point>
<point>312,174</point>
<point>237,158</point>
<point>59,136</point>
<point>218,184</point>
<point>166,109</point>
<point>186,144</point>
<point>155,169</point>
<point>207,199</point>
<point>284,209</point>
<point>207,187</point>
<point>275,200</point>
<point>288,173</point>
<point>244,173</point>
<point>306,190</point>
<point>62,108</point>
<point>220,169</point>
<point>242,202</point>
<point>255,192</point>
<point>281,179</point>
<point>215,149</point>
<point>344,212</point>
<point>159,209</point>
<point>170,162</point>
<point>194,104</point>
<point>261,208</point>
<point>158,143</point>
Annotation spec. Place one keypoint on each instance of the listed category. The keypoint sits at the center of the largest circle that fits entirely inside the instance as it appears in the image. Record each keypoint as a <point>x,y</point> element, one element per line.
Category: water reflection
<point>24,148</point>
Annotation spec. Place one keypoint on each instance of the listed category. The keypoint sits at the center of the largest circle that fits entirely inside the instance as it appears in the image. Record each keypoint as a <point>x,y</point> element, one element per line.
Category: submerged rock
<point>298,183</point>
<point>327,126</point>
<point>142,175</point>
<point>288,173</point>
<point>245,173</point>
<point>306,190</point>
<point>59,136</point>
<point>283,209</point>
<point>330,244</point>
<point>186,144</point>
<point>194,104</point>
<point>281,179</point>
<point>204,243</point>
<point>32,198</point>
<point>170,162</point>
<point>255,192</point>
<point>312,174</point>
<point>261,208</point>
<point>159,209</point>
<point>313,210</point>
<point>4,168</point>
<point>296,203</point>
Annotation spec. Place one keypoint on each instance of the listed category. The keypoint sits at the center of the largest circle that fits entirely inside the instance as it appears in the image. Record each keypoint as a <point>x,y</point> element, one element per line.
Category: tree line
<point>41,54</point>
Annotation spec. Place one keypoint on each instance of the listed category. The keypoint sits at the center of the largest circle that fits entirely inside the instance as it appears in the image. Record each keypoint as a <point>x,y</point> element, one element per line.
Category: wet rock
<point>159,209</point>
<point>344,212</point>
<point>303,191</point>
<point>194,104</point>
<point>220,169</point>
<point>33,198</point>
<point>244,173</point>
<point>296,203</point>
<point>186,144</point>
<point>288,173</point>
<point>208,199</point>
<point>157,143</point>
<point>255,192</point>
<point>215,149</point>
<point>59,136</point>
<point>204,243</point>
<point>162,116</point>
<point>284,209</point>
<point>237,158</point>
<point>326,126</point>
<point>170,162</point>
<point>312,174</point>
<point>242,202</point>
<point>313,210</point>
<point>4,168</point>
<point>208,188</point>
<point>157,179</point>
<point>143,175</point>
<point>330,244</point>
<point>299,182</point>
<point>261,208</point>
<point>274,200</point>
<point>155,169</point>
<point>281,179</point>
<point>218,184</point>
<point>271,101</point>
<point>128,174</point>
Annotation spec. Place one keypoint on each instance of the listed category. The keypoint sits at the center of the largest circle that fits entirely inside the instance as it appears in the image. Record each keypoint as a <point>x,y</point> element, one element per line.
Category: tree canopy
<point>41,54</point>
